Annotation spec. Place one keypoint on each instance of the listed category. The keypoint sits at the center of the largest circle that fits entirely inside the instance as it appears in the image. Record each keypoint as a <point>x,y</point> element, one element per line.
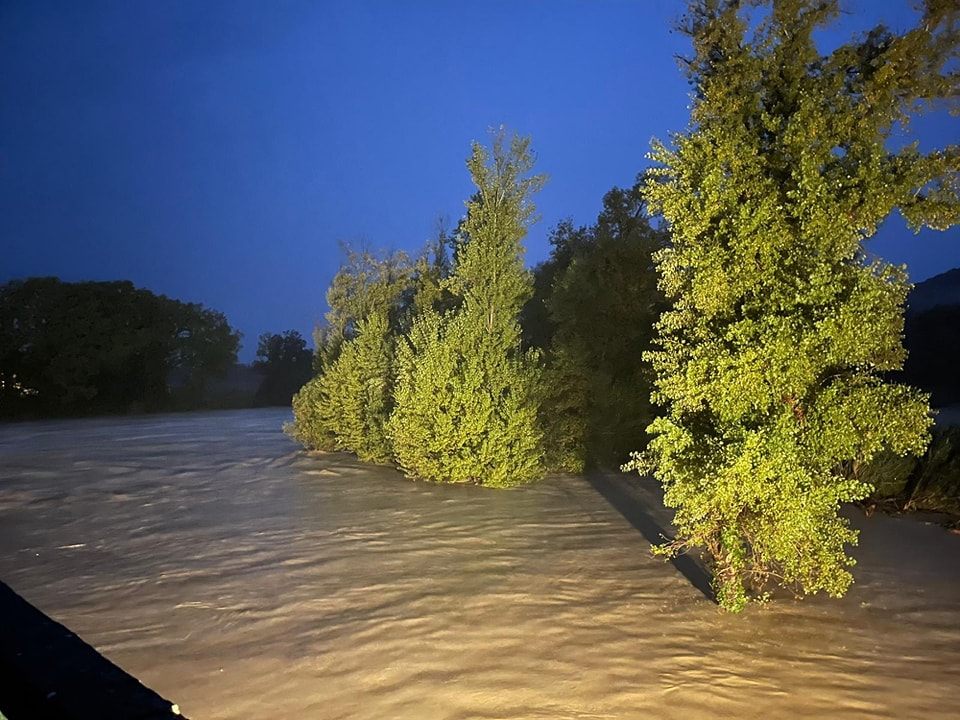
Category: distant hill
<point>932,338</point>
<point>942,289</point>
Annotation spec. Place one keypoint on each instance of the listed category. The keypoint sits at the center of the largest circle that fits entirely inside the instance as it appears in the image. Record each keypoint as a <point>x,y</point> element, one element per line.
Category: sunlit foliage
<point>346,406</point>
<point>354,394</point>
<point>368,282</point>
<point>770,363</point>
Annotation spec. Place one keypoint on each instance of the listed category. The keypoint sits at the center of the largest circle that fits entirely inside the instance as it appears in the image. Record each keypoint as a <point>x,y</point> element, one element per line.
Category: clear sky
<point>216,150</point>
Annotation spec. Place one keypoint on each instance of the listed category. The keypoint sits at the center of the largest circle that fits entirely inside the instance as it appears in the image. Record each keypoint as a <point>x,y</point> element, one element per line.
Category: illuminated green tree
<point>466,395</point>
<point>770,364</point>
<point>354,394</point>
<point>346,406</point>
<point>368,282</point>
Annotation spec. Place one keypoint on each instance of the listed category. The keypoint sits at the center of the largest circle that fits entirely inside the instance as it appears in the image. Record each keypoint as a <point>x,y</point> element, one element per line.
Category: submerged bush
<point>307,427</point>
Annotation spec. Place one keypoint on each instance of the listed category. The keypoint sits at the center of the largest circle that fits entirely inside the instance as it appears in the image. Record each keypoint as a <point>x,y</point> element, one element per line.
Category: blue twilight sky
<point>216,150</point>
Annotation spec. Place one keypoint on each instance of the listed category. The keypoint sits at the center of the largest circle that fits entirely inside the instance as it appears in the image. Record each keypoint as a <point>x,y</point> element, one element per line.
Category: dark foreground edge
<point>48,673</point>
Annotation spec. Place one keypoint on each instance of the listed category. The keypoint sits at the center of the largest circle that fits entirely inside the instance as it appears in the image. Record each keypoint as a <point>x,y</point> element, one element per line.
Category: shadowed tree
<point>74,348</point>
<point>285,363</point>
<point>602,304</point>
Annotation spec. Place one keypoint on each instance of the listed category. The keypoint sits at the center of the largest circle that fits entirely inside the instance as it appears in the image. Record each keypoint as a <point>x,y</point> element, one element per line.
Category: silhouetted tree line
<point>103,347</point>
<point>286,365</point>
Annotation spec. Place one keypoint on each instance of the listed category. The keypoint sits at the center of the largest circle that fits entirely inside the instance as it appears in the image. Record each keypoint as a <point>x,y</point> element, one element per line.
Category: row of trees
<point>421,361</point>
<point>768,342</point>
<point>461,366</point>
<point>75,348</point>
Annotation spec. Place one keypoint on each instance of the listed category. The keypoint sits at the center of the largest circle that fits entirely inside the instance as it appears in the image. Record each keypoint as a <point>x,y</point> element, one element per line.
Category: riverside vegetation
<point>94,348</point>
<point>767,334</point>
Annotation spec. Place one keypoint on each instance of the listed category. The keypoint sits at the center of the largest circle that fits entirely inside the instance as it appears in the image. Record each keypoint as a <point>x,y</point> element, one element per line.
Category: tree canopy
<point>467,392</point>
<point>770,364</point>
<point>286,365</point>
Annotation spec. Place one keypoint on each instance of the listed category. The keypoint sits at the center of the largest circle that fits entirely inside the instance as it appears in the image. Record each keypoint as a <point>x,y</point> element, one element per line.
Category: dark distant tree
<point>594,305</point>
<point>75,348</point>
<point>566,240</point>
<point>602,308</point>
<point>204,347</point>
<point>285,363</point>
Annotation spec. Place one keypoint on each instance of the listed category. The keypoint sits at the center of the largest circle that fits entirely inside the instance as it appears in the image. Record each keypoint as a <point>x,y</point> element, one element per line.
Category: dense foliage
<point>770,363</point>
<point>346,405</point>
<point>467,392</point>
<point>75,348</point>
<point>593,312</point>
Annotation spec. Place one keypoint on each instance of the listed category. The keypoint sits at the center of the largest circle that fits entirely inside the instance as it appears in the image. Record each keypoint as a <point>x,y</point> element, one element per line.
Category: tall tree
<point>602,306</point>
<point>770,364</point>
<point>466,396</point>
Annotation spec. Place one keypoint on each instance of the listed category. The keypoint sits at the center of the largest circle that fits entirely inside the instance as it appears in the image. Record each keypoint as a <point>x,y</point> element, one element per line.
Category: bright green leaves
<point>346,407</point>
<point>467,394</point>
<point>355,393</point>
<point>769,363</point>
<point>421,363</point>
<point>466,410</point>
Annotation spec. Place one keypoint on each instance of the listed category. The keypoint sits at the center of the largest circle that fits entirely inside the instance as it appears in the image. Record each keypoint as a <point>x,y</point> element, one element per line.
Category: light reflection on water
<point>237,576</point>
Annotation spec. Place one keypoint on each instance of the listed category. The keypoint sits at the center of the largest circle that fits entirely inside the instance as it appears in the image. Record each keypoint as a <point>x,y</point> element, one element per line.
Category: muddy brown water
<point>241,577</point>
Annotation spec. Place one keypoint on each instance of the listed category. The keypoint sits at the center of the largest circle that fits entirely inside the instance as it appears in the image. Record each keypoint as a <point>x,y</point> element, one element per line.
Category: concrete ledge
<point>48,673</point>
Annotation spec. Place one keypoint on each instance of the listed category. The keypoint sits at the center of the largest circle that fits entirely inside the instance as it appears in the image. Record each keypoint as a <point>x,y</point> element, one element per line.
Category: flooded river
<point>241,577</point>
